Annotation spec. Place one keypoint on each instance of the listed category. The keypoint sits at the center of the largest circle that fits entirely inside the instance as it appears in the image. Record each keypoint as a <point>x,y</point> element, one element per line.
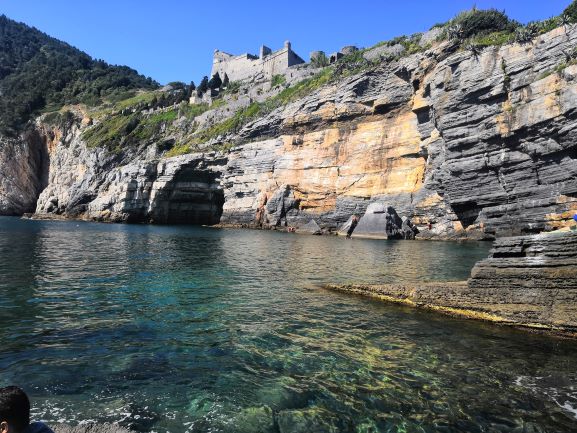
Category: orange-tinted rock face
<point>465,145</point>
<point>377,156</point>
<point>372,158</point>
<point>469,146</point>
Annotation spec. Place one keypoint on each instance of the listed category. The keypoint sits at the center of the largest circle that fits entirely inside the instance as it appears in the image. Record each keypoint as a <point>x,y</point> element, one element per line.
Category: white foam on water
<point>570,409</point>
<point>567,395</point>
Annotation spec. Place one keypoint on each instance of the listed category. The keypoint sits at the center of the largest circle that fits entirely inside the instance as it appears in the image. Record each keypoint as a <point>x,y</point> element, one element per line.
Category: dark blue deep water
<point>185,329</point>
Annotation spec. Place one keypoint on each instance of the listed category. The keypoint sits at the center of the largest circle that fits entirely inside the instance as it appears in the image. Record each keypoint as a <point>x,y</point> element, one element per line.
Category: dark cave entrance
<point>193,197</point>
<point>467,212</point>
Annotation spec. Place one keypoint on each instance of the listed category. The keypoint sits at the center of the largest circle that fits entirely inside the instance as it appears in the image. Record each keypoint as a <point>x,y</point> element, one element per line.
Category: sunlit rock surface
<point>465,145</point>
<point>528,281</point>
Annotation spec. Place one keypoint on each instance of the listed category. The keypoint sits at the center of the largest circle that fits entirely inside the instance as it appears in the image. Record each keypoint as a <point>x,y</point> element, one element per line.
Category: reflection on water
<point>190,329</point>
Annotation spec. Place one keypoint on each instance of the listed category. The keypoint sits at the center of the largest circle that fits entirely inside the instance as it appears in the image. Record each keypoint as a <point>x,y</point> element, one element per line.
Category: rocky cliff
<point>528,281</point>
<point>465,143</point>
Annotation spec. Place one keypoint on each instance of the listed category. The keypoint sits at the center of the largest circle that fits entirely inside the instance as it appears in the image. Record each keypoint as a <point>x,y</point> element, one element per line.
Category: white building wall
<point>243,67</point>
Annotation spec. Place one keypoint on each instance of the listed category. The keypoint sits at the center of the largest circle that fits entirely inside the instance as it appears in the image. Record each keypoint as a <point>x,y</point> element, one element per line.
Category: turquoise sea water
<point>187,329</point>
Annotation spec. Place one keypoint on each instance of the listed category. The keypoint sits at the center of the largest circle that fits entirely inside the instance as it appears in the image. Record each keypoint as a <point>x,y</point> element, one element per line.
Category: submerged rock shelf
<point>527,281</point>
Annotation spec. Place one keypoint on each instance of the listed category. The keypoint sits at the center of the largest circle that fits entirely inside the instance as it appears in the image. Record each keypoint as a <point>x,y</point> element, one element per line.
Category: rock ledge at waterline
<point>465,145</point>
<point>527,281</point>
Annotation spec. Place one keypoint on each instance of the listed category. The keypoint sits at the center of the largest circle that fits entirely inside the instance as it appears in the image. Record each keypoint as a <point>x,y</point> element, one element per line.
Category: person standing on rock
<point>15,413</point>
<point>351,229</point>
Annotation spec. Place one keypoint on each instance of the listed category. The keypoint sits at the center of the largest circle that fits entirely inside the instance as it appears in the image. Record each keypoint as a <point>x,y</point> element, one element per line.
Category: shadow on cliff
<point>39,163</point>
<point>193,196</point>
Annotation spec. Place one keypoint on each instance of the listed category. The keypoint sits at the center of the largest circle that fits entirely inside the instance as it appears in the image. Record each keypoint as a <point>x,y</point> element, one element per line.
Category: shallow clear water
<point>186,329</point>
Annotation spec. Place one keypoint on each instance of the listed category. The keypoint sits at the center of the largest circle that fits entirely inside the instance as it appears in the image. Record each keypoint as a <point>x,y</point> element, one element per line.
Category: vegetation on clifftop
<point>40,73</point>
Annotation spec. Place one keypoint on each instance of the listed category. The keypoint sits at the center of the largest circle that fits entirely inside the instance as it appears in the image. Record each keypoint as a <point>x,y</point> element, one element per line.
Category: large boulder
<point>255,420</point>
<point>311,228</point>
<point>380,221</point>
<point>409,229</point>
<point>279,205</point>
<point>345,227</point>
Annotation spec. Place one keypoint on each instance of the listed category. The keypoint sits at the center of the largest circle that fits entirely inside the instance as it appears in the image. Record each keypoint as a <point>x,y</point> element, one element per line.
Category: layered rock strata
<point>23,170</point>
<point>528,281</point>
<point>464,144</point>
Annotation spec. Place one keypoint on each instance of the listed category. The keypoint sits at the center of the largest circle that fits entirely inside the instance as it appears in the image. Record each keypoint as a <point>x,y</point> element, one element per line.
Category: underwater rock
<point>307,420</point>
<point>255,420</point>
<point>89,428</point>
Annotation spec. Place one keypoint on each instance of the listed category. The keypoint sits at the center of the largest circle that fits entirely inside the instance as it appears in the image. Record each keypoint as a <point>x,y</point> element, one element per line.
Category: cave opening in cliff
<point>193,197</point>
<point>467,212</point>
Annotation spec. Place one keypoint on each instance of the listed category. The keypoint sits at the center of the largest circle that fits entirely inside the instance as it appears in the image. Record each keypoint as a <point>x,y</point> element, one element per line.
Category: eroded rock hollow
<point>462,144</point>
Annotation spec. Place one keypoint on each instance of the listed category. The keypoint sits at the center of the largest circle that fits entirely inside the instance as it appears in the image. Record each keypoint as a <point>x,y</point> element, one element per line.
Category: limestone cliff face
<point>133,187</point>
<point>475,144</point>
<point>23,165</point>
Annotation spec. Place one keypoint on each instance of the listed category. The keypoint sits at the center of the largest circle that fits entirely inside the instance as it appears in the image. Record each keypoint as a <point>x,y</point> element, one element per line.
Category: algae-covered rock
<point>89,428</point>
<point>307,420</point>
<point>367,426</point>
<point>255,420</point>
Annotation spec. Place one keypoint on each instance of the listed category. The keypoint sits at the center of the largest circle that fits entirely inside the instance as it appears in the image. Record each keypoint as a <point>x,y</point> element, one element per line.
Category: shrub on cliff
<point>571,11</point>
<point>482,22</point>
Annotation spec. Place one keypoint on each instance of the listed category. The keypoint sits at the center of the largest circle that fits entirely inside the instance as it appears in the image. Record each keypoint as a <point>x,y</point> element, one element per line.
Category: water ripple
<point>182,329</point>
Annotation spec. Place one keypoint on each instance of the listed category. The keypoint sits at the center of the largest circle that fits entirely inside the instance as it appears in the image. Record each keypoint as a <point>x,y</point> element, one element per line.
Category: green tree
<point>571,11</point>
<point>38,72</point>
<point>190,90</point>
<point>202,87</point>
<point>225,81</point>
<point>215,82</point>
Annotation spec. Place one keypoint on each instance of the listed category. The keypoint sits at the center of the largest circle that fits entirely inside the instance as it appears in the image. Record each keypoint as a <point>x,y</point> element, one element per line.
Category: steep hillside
<point>38,72</point>
<point>468,130</point>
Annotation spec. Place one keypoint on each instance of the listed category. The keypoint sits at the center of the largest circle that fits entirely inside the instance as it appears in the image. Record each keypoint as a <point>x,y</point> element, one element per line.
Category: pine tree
<point>190,90</point>
<point>202,87</point>
<point>225,81</point>
<point>215,82</point>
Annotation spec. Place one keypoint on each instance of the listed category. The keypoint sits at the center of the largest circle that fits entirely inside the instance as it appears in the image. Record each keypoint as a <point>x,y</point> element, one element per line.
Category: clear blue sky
<point>171,40</point>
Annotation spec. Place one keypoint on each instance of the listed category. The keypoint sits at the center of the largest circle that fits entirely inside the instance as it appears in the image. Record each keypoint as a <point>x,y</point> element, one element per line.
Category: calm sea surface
<point>186,329</point>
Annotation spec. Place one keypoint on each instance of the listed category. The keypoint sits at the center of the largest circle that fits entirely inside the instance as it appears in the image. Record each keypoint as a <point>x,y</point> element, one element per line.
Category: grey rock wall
<point>528,281</point>
<point>465,145</point>
<point>23,165</point>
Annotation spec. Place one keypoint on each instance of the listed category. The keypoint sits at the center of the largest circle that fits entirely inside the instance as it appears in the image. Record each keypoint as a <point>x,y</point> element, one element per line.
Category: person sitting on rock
<point>351,229</point>
<point>15,413</point>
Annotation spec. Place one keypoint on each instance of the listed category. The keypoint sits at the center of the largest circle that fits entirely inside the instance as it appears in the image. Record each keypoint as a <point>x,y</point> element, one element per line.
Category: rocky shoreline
<point>528,282</point>
<point>463,145</point>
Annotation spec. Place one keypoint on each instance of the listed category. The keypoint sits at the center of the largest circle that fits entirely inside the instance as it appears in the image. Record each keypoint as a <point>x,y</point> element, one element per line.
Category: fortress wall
<point>237,68</point>
<point>276,63</point>
<point>246,66</point>
<point>294,59</point>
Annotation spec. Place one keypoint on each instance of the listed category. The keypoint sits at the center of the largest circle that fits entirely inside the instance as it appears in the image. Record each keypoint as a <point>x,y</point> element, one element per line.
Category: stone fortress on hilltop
<point>246,66</point>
